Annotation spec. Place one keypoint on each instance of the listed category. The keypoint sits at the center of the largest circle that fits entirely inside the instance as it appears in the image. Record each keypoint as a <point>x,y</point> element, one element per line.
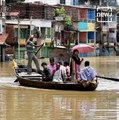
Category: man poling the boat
<point>31,55</point>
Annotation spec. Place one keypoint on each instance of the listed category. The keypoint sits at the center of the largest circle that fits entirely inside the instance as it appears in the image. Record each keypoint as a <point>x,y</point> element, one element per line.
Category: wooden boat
<point>35,80</point>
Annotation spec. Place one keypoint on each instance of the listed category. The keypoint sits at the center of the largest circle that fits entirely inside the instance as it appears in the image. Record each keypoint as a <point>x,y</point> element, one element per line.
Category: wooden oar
<point>39,48</point>
<point>108,78</point>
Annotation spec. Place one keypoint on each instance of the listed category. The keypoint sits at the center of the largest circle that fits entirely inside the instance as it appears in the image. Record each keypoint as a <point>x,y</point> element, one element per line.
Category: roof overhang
<point>3,38</point>
<point>13,14</point>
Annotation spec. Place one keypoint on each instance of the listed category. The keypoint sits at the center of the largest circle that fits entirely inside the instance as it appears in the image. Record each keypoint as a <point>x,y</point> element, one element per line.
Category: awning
<point>13,14</point>
<point>3,38</point>
<point>86,30</point>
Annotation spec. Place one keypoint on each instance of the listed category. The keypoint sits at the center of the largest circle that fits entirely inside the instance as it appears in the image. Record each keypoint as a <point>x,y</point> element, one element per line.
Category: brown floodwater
<point>26,103</point>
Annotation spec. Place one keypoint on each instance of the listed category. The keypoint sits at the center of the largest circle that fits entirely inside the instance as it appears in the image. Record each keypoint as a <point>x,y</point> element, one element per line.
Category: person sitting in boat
<point>52,65</point>
<point>47,72</point>
<point>60,74</point>
<point>66,64</point>
<point>88,73</point>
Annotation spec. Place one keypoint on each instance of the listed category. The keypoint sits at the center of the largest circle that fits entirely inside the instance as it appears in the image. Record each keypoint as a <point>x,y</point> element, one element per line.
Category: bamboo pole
<point>18,39</point>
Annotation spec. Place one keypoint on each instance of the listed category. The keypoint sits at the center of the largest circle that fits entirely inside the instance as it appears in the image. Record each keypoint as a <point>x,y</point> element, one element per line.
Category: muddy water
<point>23,103</point>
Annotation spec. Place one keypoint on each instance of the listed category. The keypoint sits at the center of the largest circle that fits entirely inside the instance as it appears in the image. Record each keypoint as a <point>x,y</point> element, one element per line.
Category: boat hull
<point>38,83</point>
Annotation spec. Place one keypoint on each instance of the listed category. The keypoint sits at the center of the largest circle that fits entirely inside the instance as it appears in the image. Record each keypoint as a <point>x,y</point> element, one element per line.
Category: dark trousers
<point>32,57</point>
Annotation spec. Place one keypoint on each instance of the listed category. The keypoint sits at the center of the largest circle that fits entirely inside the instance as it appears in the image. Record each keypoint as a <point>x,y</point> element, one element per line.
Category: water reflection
<point>23,103</point>
<point>75,108</point>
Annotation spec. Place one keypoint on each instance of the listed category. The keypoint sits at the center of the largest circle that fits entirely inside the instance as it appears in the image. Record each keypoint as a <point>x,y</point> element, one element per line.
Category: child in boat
<point>47,72</point>
<point>66,64</point>
<point>88,73</point>
<point>52,66</point>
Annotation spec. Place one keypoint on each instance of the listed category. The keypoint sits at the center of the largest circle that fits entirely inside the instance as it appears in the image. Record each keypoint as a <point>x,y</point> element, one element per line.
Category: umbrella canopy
<point>83,48</point>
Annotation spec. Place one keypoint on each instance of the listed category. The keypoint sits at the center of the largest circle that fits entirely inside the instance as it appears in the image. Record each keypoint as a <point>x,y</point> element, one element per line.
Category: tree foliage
<point>67,19</point>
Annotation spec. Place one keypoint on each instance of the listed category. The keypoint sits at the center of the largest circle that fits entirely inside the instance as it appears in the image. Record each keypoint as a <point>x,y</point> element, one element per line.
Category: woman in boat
<point>47,72</point>
<point>75,65</point>
<point>88,73</point>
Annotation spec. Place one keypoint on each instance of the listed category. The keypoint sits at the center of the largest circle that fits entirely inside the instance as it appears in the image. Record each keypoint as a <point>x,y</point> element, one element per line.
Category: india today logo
<point>104,14</point>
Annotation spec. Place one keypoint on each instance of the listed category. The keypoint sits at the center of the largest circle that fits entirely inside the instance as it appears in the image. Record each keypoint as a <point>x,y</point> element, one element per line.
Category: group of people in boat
<point>60,72</point>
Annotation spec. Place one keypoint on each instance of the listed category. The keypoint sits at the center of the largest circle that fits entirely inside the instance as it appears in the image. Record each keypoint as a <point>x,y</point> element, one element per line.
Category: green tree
<point>68,25</point>
<point>60,12</point>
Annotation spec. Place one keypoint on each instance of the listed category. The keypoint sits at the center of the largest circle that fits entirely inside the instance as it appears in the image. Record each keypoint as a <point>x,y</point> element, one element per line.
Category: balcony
<point>85,3</point>
<point>108,3</point>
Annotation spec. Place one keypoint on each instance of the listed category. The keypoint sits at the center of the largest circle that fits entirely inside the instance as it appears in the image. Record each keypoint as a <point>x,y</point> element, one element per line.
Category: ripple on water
<point>104,84</point>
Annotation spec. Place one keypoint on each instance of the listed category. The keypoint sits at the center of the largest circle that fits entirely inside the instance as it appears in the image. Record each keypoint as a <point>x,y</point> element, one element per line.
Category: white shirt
<point>60,74</point>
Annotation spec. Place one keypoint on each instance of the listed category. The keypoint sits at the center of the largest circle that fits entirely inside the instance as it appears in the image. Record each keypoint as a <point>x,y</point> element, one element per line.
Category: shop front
<point>3,38</point>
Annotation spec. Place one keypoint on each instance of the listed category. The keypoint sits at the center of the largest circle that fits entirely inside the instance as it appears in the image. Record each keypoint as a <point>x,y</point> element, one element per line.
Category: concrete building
<point>88,29</point>
<point>3,35</point>
<point>51,2</point>
<point>106,26</point>
<point>25,17</point>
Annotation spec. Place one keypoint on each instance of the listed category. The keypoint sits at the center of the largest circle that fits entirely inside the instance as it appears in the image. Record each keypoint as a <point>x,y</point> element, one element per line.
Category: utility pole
<point>30,25</point>
<point>18,38</point>
<point>4,15</point>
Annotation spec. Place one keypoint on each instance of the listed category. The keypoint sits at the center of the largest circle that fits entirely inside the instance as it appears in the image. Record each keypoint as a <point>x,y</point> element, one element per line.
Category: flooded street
<point>25,103</point>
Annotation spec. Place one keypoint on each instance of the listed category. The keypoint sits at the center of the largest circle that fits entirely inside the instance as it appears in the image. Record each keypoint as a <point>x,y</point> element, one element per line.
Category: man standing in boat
<point>31,55</point>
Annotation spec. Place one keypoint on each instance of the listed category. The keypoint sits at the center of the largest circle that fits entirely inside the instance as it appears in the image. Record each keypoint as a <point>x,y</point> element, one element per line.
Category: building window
<point>104,2</point>
<point>74,2</point>
<point>43,35</point>
<point>112,2</point>
<point>45,32</point>
<point>77,2</point>
<point>48,32</point>
<point>91,15</point>
<point>62,1</point>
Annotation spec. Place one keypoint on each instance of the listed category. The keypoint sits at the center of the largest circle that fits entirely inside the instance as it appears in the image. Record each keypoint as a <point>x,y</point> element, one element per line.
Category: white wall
<point>51,2</point>
<point>35,22</point>
<point>68,2</point>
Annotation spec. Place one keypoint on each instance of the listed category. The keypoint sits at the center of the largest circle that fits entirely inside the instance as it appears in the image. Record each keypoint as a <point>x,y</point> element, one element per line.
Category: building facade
<point>83,14</point>
<point>105,26</point>
<point>3,35</point>
<point>51,2</point>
